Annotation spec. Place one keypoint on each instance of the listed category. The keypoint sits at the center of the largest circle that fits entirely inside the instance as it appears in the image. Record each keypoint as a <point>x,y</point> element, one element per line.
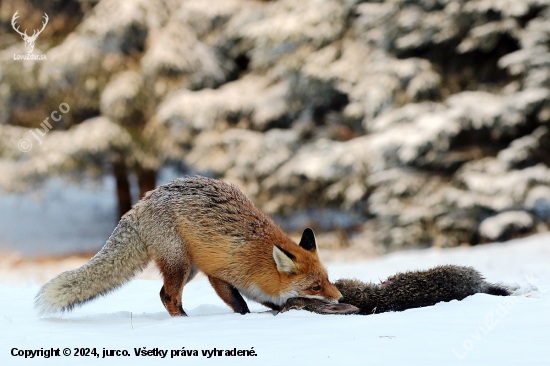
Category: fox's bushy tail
<point>122,257</point>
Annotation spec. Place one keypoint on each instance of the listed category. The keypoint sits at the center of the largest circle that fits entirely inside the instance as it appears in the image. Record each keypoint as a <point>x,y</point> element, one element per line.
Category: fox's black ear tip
<point>308,230</point>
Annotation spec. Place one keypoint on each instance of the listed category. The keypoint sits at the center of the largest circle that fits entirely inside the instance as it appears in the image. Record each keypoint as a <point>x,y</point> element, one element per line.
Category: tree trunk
<point>122,186</point>
<point>147,180</point>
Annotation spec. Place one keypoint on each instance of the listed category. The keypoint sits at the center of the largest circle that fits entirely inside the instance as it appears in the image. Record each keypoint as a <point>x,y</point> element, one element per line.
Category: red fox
<point>198,224</point>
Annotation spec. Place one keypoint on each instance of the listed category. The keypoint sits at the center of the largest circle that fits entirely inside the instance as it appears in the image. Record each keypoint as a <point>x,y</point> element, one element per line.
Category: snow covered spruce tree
<point>408,122</point>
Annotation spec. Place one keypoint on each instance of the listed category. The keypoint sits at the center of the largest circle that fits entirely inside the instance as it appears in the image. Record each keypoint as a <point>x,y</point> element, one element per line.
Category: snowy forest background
<point>383,125</point>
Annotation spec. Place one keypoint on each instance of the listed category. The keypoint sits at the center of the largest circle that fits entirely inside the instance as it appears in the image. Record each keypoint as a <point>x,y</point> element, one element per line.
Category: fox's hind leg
<point>167,247</point>
<point>175,277</point>
<point>230,295</point>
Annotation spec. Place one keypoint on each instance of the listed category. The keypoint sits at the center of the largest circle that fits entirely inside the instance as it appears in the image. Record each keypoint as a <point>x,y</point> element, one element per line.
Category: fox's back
<point>223,231</point>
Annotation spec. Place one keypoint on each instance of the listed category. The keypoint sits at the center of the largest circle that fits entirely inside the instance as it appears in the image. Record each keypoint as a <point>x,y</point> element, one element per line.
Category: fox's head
<point>302,273</point>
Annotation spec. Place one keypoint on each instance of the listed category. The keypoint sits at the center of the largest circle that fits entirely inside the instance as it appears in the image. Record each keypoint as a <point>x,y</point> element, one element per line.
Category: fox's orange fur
<point>198,224</point>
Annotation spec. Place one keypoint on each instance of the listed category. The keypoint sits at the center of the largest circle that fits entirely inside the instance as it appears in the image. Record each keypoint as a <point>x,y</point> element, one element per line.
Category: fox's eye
<point>316,288</point>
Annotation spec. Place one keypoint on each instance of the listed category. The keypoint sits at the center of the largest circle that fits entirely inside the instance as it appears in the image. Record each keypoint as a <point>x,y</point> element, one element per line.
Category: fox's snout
<point>333,295</point>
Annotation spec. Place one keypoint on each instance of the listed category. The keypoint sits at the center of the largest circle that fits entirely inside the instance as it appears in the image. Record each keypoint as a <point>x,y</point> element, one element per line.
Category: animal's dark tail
<point>497,290</point>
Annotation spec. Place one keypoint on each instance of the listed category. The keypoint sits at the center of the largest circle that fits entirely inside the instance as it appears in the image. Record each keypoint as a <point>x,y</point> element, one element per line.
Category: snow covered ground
<point>480,330</point>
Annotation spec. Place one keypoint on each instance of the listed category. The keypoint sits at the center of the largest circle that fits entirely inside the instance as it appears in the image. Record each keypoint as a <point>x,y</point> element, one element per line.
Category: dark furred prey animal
<point>403,291</point>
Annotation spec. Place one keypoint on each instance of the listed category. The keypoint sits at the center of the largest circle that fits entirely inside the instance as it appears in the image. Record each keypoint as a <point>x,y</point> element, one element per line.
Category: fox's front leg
<point>271,305</point>
<point>230,295</point>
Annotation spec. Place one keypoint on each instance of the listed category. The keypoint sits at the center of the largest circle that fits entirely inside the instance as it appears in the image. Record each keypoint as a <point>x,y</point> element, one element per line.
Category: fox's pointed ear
<point>308,240</point>
<point>284,260</point>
